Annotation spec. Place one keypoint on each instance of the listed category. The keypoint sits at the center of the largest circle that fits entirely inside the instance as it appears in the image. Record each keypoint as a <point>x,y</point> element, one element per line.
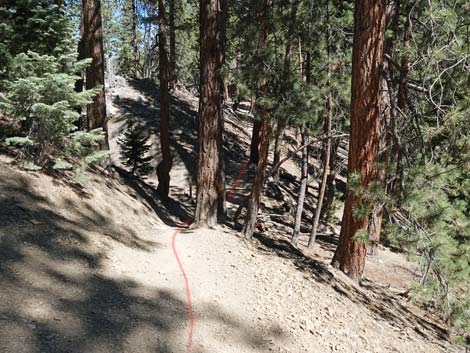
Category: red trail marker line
<point>237,181</point>
<point>186,282</point>
<point>178,229</point>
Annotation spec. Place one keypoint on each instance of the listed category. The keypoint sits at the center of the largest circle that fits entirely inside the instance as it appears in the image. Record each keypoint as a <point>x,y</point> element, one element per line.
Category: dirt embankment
<point>88,267</point>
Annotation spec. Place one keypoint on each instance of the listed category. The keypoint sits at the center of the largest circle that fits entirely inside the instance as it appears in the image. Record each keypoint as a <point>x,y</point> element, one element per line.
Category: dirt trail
<point>89,268</point>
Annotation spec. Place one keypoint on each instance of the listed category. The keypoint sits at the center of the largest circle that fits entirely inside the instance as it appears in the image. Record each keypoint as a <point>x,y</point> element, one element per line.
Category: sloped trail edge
<point>183,225</point>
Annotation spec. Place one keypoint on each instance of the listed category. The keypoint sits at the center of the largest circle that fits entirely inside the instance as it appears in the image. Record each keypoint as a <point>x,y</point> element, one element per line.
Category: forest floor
<point>88,267</point>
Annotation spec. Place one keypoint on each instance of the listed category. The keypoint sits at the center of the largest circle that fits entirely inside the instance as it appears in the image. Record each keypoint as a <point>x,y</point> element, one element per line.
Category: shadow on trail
<point>55,296</point>
<point>183,131</point>
<point>165,210</point>
<point>183,121</point>
<point>183,125</point>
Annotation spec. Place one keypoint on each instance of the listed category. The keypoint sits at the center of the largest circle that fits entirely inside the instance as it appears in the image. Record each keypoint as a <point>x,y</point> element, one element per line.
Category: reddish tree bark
<point>164,167</point>
<point>388,118</point>
<point>369,27</point>
<point>264,132</point>
<point>92,45</point>
<point>210,177</point>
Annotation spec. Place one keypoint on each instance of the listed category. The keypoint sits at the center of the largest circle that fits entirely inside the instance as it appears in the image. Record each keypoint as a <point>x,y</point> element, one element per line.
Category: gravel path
<point>89,268</point>
<point>81,276</point>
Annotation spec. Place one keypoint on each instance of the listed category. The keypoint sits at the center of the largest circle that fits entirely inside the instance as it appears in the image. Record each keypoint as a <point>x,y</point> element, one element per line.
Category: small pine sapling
<point>134,147</point>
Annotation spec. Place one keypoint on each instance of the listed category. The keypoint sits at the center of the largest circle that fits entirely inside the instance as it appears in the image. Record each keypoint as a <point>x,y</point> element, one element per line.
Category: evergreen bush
<point>37,82</point>
<point>134,147</point>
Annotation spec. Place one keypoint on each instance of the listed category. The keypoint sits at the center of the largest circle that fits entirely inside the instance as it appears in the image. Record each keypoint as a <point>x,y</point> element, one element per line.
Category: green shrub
<point>40,93</point>
<point>134,147</point>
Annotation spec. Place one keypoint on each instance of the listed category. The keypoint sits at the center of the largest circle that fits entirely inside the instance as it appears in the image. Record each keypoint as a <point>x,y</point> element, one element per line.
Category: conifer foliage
<point>390,79</point>
<point>39,89</point>
<point>31,25</point>
<point>44,100</point>
<point>134,149</point>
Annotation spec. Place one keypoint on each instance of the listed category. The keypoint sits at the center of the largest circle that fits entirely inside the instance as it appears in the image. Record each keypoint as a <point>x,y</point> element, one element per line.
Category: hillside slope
<point>89,267</point>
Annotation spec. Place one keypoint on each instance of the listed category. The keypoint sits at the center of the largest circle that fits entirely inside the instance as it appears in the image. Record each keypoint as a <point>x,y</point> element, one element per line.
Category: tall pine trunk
<point>388,118</point>
<point>402,103</point>
<point>375,217</point>
<point>164,167</point>
<point>369,27</point>
<point>173,77</point>
<point>264,132</point>
<point>330,183</point>
<point>282,121</point>
<point>304,163</point>
<point>210,178</point>
<point>303,187</point>
<point>327,145</point>
<point>326,169</point>
<point>92,45</point>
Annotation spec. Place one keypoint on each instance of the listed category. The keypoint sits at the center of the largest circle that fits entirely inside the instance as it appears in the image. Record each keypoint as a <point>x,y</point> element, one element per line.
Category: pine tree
<point>164,167</point>
<point>39,89</point>
<point>283,119</point>
<point>187,51</point>
<point>304,162</point>
<point>264,133</point>
<point>303,188</point>
<point>427,164</point>
<point>121,35</point>
<point>365,116</point>
<point>92,45</point>
<point>326,170</point>
<point>134,148</point>
<point>327,129</point>
<point>210,177</point>
<point>31,25</point>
